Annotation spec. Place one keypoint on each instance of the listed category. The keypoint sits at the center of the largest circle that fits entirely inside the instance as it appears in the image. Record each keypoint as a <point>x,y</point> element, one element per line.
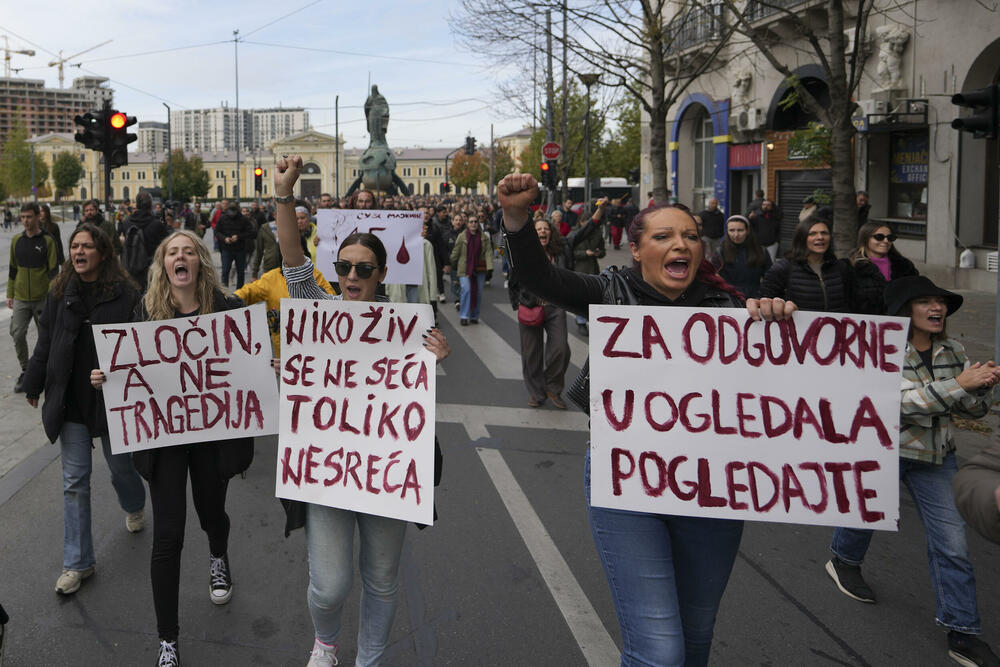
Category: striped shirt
<point>929,401</point>
<point>302,283</point>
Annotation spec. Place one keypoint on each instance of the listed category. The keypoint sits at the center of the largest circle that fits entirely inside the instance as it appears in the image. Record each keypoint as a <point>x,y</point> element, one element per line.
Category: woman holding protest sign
<point>938,383</point>
<point>183,283</point>
<point>91,289</point>
<point>361,265</point>
<point>689,559</point>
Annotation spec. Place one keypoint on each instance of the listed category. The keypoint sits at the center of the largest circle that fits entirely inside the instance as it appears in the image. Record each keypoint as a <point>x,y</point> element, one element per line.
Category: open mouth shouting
<point>678,268</point>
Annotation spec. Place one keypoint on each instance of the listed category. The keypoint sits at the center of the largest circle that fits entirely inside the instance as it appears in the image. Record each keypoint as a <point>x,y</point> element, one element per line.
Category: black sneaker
<point>168,655</point>
<point>849,581</point>
<point>221,587</point>
<point>970,651</point>
<point>19,385</point>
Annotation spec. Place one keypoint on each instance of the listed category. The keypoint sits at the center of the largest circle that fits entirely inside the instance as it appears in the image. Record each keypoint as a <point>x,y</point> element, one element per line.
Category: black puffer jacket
<point>153,229</point>
<point>233,456</point>
<point>55,356</point>
<point>870,284</point>
<point>796,281</point>
<point>231,223</point>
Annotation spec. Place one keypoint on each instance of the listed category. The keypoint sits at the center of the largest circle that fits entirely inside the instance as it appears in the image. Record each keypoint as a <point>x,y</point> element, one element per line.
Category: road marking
<point>475,418</point>
<point>591,636</point>
<point>502,360</point>
<point>578,350</point>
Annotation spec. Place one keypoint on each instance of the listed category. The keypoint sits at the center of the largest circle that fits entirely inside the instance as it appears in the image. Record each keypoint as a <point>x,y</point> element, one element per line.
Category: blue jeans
<point>76,445</point>
<point>412,293</point>
<point>230,255</point>
<point>947,551</point>
<point>330,541</point>
<point>465,310</point>
<point>667,575</point>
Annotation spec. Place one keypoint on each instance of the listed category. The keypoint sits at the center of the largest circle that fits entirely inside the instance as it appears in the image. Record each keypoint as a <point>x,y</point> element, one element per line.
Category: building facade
<point>938,188</point>
<point>327,167</point>
<point>45,110</point>
<point>151,137</point>
<point>217,129</point>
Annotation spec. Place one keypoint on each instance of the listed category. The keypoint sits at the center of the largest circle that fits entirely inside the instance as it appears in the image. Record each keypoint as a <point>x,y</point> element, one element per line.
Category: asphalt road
<point>507,576</point>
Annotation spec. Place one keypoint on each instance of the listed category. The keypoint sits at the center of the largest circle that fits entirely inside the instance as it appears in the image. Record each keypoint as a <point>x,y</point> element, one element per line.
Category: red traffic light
<point>544,166</point>
<point>118,120</point>
<point>258,171</point>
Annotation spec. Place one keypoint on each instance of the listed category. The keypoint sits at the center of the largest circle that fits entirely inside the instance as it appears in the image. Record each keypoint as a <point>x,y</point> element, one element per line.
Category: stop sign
<point>551,151</point>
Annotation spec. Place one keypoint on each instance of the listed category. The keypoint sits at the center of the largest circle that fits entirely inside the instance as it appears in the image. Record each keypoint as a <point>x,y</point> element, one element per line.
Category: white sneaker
<point>69,581</point>
<point>323,655</point>
<point>441,298</point>
<point>135,521</point>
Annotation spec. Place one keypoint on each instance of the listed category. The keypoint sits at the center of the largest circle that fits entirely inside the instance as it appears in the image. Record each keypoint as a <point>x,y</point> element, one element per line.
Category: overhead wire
<point>280,18</point>
<point>360,54</point>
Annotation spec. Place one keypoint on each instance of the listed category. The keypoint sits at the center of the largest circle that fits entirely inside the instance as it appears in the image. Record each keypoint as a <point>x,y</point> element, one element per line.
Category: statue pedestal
<point>377,164</point>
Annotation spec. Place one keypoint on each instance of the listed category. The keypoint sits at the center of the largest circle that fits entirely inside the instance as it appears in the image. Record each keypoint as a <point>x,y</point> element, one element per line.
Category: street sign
<point>551,151</point>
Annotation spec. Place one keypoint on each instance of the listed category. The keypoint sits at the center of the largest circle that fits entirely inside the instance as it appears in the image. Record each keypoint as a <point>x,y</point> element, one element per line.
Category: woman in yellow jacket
<point>271,288</point>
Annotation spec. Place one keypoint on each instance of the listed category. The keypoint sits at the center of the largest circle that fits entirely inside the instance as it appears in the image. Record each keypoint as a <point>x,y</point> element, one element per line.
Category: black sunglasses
<point>364,271</point>
<point>883,237</point>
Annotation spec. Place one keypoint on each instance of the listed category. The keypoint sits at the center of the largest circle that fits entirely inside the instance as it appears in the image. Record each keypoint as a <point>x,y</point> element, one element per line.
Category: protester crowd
<point>153,262</point>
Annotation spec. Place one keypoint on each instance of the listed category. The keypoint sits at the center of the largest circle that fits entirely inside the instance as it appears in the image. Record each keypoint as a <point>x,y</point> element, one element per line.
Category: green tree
<point>15,163</point>
<point>503,163</point>
<point>467,171</point>
<point>619,155</point>
<point>67,171</point>
<point>189,176</point>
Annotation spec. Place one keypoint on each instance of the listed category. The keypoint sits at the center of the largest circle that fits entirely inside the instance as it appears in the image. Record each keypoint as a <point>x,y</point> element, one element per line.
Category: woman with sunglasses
<point>361,266</point>
<point>667,574</point>
<point>876,263</point>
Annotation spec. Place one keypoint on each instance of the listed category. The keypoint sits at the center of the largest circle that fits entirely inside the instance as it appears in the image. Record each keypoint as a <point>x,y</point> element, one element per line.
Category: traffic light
<point>94,130</point>
<point>470,145</point>
<point>984,102</point>
<point>258,179</point>
<point>118,139</point>
<point>445,187</point>
<point>549,169</point>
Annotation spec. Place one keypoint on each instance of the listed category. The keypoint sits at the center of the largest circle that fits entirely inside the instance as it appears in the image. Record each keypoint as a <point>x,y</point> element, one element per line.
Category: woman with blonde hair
<point>183,283</point>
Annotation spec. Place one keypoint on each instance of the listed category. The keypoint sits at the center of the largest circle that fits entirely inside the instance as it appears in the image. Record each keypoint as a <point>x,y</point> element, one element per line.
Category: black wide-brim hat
<point>901,291</point>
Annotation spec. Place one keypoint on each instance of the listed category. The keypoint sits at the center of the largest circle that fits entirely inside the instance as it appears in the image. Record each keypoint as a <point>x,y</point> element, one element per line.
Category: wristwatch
<point>287,199</point>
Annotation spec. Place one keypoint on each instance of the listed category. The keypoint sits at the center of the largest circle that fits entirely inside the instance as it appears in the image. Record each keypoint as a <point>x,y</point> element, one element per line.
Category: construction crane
<point>7,51</point>
<point>62,60</point>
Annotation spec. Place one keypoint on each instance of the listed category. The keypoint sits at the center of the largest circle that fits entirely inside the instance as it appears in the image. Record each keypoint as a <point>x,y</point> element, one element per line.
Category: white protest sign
<point>190,379</point>
<point>702,412</point>
<point>357,407</point>
<point>399,232</point>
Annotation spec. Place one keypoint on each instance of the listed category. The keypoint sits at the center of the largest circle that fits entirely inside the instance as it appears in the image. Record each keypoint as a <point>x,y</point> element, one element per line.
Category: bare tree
<point>820,36</point>
<point>627,42</point>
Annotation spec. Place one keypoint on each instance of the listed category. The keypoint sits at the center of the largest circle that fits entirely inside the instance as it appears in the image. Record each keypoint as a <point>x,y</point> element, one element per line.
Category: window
<point>908,175</point>
<point>125,175</point>
<point>265,189</point>
<point>437,171</point>
<point>125,192</point>
<point>232,174</point>
<point>407,171</point>
<point>421,171</point>
<point>219,194</point>
<point>704,163</point>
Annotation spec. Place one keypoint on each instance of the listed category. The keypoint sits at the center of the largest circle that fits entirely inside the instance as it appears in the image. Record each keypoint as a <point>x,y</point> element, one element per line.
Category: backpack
<point>135,259</point>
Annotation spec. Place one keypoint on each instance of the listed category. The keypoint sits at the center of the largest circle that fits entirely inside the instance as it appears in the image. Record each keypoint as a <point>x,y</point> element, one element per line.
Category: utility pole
<point>563,164</point>
<point>34,189</point>
<point>236,55</point>
<point>107,163</point>
<point>492,151</point>
<point>170,165</point>
<point>550,94</point>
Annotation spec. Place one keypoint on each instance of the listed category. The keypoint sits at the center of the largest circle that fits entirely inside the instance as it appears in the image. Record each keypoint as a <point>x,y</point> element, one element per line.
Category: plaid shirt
<point>929,402</point>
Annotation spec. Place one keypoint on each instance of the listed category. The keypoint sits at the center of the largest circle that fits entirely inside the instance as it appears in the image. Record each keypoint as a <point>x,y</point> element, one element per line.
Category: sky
<point>300,53</point>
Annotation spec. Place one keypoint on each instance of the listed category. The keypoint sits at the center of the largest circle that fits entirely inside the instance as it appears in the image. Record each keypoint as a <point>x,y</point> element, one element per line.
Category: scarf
<point>473,246</point>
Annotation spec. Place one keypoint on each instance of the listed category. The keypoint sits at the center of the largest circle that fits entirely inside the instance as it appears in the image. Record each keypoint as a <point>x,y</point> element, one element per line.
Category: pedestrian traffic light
<point>94,130</point>
<point>984,122</point>
<point>445,187</point>
<point>470,145</point>
<point>118,138</point>
<point>258,179</point>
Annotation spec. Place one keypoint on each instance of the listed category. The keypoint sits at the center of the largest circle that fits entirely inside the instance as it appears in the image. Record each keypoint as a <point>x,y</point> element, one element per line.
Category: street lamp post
<point>170,166</point>
<point>588,81</point>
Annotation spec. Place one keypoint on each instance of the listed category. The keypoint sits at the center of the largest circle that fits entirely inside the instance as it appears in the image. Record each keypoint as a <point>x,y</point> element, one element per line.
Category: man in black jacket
<point>234,232</point>
<point>713,224</point>
<point>153,232</point>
